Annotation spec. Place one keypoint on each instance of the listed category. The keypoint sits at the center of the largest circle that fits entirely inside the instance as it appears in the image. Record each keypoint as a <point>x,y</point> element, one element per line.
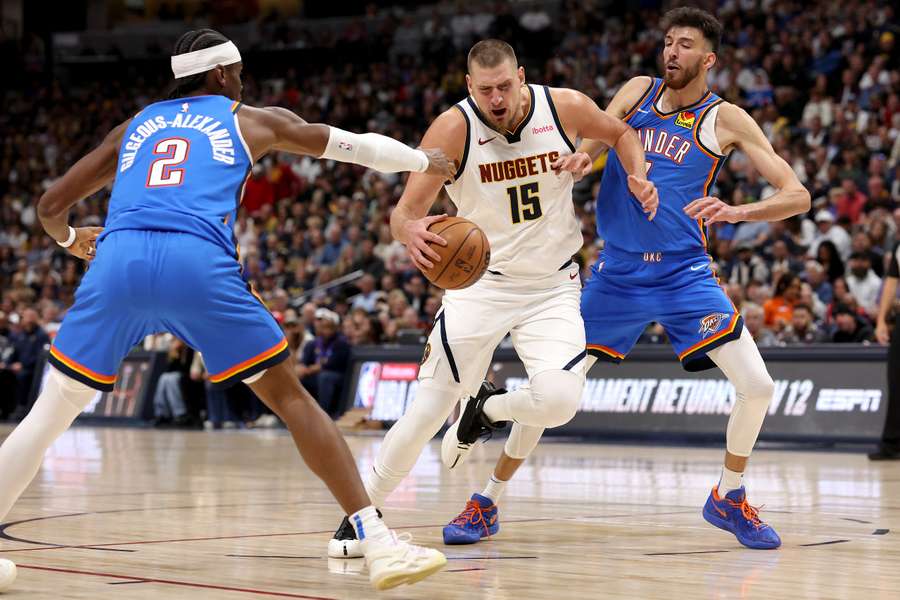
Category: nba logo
<point>367,386</point>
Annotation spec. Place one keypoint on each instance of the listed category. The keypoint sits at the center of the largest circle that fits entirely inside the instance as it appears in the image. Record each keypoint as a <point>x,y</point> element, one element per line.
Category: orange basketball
<point>465,257</point>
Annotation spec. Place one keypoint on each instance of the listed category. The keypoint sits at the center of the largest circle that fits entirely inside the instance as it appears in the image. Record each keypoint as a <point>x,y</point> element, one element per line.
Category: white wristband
<point>71,239</point>
<point>374,151</point>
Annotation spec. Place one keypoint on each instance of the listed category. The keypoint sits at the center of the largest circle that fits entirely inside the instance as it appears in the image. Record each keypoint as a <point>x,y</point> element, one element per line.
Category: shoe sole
<point>722,524</point>
<point>392,581</point>
<point>464,542</point>
<point>338,549</point>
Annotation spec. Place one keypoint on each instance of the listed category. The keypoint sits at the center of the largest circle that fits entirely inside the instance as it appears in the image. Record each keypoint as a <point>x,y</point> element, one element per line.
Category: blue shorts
<point>144,282</point>
<point>628,291</point>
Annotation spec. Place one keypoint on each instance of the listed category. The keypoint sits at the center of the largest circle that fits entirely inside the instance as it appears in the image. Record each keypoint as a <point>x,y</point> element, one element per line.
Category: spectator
<point>324,361</point>
<point>849,328</point>
<point>747,266</point>
<point>829,232</point>
<point>852,201</point>
<point>828,256</point>
<point>169,404</point>
<point>368,296</point>
<point>754,320</point>
<point>815,276</point>
<point>29,341</point>
<point>863,283</point>
<point>779,308</point>
<point>802,329</point>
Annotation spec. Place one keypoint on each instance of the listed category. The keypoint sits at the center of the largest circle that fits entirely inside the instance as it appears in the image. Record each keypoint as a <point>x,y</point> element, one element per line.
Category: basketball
<point>465,257</point>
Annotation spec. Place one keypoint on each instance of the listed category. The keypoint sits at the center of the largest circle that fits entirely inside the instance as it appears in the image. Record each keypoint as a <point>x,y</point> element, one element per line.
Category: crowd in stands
<point>821,79</point>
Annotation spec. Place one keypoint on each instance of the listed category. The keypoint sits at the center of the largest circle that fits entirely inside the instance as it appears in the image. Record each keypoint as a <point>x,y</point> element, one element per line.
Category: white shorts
<point>542,316</point>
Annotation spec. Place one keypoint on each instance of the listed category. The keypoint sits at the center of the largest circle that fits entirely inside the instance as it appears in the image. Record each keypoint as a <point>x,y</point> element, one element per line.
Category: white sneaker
<point>453,450</point>
<point>470,428</point>
<point>394,564</point>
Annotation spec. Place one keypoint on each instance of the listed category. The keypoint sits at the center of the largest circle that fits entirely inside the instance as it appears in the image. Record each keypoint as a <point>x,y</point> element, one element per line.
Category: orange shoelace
<point>751,513</point>
<point>473,514</point>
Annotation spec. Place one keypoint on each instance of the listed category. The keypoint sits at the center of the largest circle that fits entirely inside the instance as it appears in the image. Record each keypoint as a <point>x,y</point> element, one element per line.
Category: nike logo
<point>573,276</point>
<point>698,267</point>
<point>482,142</point>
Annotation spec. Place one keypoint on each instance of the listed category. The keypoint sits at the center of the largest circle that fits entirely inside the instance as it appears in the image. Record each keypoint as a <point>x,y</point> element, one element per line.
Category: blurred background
<point>822,79</point>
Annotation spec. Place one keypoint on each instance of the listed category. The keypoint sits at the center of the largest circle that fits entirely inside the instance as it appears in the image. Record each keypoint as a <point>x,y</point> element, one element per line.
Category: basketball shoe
<point>733,513</point>
<point>472,424</point>
<point>480,519</point>
<point>344,543</point>
<point>400,562</point>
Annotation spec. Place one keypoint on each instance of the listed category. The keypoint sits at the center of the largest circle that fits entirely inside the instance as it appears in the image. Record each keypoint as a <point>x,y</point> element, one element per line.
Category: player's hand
<point>85,244</point>
<point>578,164</point>
<point>882,333</point>
<point>645,192</point>
<point>712,210</point>
<point>439,163</point>
<point>418,238</point>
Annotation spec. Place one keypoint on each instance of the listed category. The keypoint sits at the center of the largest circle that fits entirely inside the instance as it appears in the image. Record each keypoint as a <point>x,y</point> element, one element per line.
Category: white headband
<point>200,61</point>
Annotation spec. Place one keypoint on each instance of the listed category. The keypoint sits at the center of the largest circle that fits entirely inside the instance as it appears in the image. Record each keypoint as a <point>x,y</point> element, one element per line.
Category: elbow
<point>804,201</point>
<point>47,206</point>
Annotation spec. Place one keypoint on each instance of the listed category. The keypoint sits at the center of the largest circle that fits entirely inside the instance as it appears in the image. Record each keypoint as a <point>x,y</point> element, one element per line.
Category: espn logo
<point>848,400</point>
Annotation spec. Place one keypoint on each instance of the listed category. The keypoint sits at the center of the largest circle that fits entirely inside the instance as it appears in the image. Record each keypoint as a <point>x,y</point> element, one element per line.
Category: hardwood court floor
<point>126,513</point>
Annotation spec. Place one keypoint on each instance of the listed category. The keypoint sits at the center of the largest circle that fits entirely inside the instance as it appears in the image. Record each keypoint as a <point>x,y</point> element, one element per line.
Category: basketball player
<point>507,136</point>
<point>167,261</point>
<point>660,271</point>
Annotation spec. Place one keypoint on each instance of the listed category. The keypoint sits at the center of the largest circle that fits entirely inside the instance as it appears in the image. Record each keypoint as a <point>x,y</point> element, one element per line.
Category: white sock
<point>730,480</point>
<point>494,489</point>
<point>379,486</point>
<point>370,528</point>
<point>61,400</point>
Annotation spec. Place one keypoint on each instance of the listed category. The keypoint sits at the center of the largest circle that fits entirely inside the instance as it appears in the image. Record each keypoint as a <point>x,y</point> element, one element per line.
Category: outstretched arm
<point>92,172</point>
<point>275,128</point>
<point>409,219</point>
<point>736,129</point>
<point>581,115</point>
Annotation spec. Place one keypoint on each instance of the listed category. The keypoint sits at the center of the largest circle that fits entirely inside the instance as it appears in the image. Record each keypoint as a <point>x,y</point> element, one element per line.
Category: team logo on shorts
<point>685,119</point>
<point>427,353</point>
<point>712,323</point>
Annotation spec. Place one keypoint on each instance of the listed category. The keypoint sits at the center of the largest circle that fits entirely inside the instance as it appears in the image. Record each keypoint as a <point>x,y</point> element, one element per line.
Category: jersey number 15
<point>524,202</point>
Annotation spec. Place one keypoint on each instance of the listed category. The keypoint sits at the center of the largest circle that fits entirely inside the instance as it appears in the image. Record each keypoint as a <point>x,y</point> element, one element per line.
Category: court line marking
<point>690,552</point>
<point>824,543</point>
<point>881,532</point>
<point>464,570</point>
<point>271,556</point>
<point>208,586</point>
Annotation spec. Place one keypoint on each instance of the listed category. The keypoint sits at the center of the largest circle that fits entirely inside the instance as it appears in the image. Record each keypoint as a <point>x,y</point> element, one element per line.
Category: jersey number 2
<point>174,152</point>
<point>524,203</point>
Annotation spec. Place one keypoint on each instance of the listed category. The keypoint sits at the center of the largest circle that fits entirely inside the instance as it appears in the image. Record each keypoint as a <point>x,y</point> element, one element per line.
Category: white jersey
<point>505,185</point>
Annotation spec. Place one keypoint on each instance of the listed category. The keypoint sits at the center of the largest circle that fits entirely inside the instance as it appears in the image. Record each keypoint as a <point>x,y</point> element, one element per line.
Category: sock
<point>494,489</point>
<point>730,480</point>
<point>370,528</point>
<point>61,400</point>
<point>381,482</point>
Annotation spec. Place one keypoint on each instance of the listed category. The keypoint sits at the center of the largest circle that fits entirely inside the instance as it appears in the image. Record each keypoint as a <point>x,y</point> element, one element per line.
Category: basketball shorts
<point>628,291</point>
<point>542,317</point>
<point>144,282</point>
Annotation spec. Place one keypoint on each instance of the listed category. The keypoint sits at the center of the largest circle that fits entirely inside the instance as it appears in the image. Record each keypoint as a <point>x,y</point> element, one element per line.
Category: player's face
<point>232,81</point>
<point>686,55</point>
<point>498,92</point>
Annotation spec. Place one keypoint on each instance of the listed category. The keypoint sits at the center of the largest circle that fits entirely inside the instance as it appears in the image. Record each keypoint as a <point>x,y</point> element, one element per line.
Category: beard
<point>683,76</point>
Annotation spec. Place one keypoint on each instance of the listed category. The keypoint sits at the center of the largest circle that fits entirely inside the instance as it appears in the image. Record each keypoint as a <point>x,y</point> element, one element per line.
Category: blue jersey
<point>680,165</point>
<point>182,168</point>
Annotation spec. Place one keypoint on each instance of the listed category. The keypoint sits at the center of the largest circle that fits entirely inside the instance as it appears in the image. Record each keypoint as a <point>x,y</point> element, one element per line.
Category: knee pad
<point>557,396</point>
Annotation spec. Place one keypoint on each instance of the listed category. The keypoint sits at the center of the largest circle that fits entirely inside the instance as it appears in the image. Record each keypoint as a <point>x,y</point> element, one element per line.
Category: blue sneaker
<point>480,519</point>
<point>733,513</point>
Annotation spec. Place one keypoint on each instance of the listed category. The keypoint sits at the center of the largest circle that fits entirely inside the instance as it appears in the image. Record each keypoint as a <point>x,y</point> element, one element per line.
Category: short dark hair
<point>689,16</point>
<point>803,306</point>
<point>198,39</point>
<point>490,53</point>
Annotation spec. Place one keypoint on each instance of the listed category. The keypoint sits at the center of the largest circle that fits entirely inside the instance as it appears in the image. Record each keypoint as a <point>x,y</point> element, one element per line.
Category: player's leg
<point>715,336</point>
<point>480,518</point>
<point>97,332</point>
<point>457,355</point>
<point>218,308</point>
